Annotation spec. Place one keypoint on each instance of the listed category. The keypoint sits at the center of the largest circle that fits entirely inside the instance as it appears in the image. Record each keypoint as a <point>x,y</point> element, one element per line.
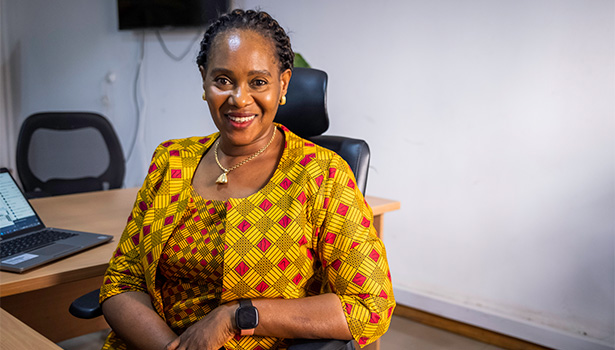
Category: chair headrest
<point>305,112</point>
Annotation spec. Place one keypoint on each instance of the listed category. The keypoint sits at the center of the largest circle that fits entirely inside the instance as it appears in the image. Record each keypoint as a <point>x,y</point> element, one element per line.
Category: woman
<point>252,235</point>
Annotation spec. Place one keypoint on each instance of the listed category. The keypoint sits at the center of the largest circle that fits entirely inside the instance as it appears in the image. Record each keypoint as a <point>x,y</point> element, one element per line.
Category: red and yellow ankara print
<point>308,231</point>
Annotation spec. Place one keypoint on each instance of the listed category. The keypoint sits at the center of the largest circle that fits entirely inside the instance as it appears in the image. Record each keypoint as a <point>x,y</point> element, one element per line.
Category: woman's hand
<point>210,333</point>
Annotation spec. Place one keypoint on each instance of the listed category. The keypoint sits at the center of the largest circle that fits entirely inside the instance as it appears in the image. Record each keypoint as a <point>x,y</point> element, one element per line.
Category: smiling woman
<point>243,86</point>
<point>263,240</point>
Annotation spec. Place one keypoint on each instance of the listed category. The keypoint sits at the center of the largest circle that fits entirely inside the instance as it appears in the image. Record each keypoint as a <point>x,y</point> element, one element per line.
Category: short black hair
<point>257,21</point>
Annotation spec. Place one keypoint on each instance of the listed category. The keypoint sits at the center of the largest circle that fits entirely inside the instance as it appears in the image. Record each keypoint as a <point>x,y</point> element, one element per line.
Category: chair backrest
<point>68,152</point>
<point>305,114</point>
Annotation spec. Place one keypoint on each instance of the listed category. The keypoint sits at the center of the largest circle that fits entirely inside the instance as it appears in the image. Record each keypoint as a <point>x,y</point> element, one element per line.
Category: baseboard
<point>477,333</point>
<point>487,327</point>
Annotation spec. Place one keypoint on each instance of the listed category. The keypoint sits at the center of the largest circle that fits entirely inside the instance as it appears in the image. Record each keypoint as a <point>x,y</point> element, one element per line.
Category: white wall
<point>61,53</point>
<point>491,121</point>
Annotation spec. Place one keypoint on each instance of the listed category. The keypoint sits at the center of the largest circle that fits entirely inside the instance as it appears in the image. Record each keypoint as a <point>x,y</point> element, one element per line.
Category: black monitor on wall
<point>159,14</point>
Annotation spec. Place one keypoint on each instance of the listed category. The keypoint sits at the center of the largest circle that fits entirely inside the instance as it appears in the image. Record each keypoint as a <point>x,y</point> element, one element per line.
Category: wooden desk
<point>17,335</point>
<point>41,297</point>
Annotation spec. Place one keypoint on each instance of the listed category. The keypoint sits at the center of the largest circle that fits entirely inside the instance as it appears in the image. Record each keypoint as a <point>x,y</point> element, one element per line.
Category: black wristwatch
<point>246,317</point>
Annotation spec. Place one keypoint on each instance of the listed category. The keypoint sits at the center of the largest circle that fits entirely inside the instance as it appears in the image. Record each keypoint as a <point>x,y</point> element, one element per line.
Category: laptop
<point>25,242</point>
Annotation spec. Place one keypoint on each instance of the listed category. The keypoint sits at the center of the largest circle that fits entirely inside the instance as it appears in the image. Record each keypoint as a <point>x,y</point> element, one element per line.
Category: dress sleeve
<point>353,257</point>
<point>125,272</point>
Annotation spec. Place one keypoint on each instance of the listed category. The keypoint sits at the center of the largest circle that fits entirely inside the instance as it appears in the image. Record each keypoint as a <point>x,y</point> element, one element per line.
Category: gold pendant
<point>222,179</point>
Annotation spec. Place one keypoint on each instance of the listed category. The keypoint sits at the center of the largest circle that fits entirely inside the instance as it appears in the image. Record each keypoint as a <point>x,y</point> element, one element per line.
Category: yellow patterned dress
<point>308,231</point>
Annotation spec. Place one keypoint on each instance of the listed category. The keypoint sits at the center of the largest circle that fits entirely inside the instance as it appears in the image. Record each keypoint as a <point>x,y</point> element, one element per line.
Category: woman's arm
<point>123,295</point>
<point>316,317</point>
<point>133,318</point>
<point>353,257</point>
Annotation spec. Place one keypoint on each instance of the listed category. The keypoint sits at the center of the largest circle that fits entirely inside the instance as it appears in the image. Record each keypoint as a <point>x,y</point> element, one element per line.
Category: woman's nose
<point>240,97</point>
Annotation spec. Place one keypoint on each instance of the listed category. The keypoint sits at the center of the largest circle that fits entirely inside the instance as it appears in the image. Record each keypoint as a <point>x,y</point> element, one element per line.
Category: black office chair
<point>68,152</point>
<point>305,114</point>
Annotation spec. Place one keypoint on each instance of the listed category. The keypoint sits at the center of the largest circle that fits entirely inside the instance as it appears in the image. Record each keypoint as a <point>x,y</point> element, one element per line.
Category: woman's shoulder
<point>299,147</point>
<point>193,143</point>
<point>315,159</point>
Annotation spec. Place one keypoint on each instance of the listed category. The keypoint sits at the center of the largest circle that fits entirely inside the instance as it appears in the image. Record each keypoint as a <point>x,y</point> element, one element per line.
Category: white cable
<point>136,97</point>
<point>184,54</point>
<point>139,89</point>
<point>143,114</point>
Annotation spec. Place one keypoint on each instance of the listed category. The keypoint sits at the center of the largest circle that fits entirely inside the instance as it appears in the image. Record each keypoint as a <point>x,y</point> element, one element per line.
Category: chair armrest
<point>86,306</point>
<point>322,344</point>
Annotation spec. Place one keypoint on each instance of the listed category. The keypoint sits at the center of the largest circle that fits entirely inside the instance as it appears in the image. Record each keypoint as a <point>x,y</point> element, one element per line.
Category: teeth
<point>241,119</point>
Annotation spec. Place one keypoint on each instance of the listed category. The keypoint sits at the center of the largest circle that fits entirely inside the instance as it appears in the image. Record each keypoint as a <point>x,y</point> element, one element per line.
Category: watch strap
<point>245,304</point>
<point>243,332</point>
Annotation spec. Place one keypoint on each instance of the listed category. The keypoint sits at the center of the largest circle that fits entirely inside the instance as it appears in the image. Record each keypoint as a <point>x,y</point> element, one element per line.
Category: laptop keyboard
<point>32,241</point>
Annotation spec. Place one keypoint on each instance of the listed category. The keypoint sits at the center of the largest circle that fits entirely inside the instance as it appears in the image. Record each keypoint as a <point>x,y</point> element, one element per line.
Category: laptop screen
<point>16,214</point>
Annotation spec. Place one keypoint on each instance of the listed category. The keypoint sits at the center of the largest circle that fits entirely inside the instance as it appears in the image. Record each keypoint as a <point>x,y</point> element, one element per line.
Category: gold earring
<point>204,97</point>
<point>283,100</point>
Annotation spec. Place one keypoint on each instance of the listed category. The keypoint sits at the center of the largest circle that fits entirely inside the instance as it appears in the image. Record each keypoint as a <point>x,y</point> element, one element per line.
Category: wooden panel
<point>46,310</point>
<point>477,333</point>
<point>379,225</point>
<point>382,205</point>
<point>16,335</point>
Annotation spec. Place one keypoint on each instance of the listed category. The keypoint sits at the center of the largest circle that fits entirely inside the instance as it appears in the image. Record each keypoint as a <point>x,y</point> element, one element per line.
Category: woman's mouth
<point>241,119</point>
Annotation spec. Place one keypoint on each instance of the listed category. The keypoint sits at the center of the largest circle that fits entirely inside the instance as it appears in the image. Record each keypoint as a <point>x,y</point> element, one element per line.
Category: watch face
<point>247,317</point>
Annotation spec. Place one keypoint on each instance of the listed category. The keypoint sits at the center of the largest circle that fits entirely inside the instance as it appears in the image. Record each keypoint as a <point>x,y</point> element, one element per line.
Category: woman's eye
<point>222,81</point>
<point>259,82</point>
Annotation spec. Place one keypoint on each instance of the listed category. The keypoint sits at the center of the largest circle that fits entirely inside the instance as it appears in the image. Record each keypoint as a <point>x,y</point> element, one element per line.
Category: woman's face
<point>243,86</point>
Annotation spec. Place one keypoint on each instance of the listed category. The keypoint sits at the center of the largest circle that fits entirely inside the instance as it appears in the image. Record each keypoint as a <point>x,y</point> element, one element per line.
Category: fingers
<point>173,345</point>
<point>190,341</point>
<point>209,333</point>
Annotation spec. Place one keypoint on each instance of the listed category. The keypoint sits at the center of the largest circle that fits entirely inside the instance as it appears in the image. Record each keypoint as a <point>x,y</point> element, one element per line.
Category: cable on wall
<point>185,53</point>
<point>136,90</point>
<point>138,95</point>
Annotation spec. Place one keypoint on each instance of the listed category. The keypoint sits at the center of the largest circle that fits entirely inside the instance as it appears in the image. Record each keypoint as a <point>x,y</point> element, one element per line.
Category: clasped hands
<point>209,333</point>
